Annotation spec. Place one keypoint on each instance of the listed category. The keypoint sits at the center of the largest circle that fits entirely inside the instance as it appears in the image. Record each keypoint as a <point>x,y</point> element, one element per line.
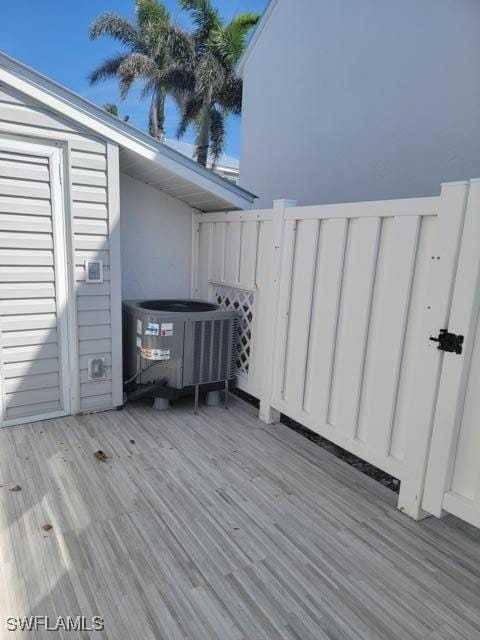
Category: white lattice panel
<point>242,301</point>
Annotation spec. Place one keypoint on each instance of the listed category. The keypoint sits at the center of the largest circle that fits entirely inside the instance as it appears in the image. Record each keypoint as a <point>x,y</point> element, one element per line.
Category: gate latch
<point>449,342</point>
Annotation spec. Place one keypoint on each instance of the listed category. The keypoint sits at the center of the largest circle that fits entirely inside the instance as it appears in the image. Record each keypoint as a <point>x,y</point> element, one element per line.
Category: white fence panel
<point>232,255</point>
<point>350,273</point>
<point>338,303</point>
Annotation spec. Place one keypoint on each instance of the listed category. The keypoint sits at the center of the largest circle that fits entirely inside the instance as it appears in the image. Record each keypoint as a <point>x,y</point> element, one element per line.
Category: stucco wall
<point>155,241</point>
<point>348,100</point>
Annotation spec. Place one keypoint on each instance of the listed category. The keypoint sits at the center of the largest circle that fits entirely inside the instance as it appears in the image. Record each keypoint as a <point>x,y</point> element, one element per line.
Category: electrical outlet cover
<point>96,368</point>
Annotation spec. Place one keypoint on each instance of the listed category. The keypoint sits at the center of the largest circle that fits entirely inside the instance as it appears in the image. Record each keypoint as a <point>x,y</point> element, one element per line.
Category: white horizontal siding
<point>93,403</point>
<point>89,177</point>
<point>94,347</point>
<point>37,409</point>
<point>27,341</point>
<point>28,322</point>
<point>11,291</point>
<point>92,303</point>
<point>84,160</point>
<point>25,257</point>
<point>32,382</point>
<point>22,306</point>
<point>25,338</point>
<point>91,289</point>
<point>26,275</point>
<point>21,170</point>
<point>92,210</point>
<point>89,243</point>
<point>88,226</point>
<point>16,222</point>
<point>86,318</point>
<point>29,353</point>
<point>10,240</point>
<point>38,367</point>
<point>24,188</point>
<point>18,204</point>
<point>83,193</point>
<point>94,332</point>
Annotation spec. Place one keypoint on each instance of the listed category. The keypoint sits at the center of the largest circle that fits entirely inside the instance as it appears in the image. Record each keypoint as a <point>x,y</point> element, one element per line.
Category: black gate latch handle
<point>450,342</point>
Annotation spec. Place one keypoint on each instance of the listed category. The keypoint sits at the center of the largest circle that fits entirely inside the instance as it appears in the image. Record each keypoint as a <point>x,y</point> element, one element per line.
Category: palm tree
<point>208,86</point>
<point>154,49</point>
<point>112,109</point>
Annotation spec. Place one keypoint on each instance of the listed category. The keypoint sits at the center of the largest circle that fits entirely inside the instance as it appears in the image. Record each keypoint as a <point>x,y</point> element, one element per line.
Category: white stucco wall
<point>356,100</point>
<point>155,242</point>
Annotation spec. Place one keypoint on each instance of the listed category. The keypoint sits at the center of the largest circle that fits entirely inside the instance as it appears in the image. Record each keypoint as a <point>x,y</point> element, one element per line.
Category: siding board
<point>90,177</point>
<point>33,409</point>
<point>32,382</point>
<point>43,366</point>
<point>15,222</point>
<point>24,257</point>
<point>83,160</point>
<point>27,274</point>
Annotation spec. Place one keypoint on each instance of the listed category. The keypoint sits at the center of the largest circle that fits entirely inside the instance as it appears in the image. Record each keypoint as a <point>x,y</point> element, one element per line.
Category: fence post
<point>429,359</point>
<point>267,413</point>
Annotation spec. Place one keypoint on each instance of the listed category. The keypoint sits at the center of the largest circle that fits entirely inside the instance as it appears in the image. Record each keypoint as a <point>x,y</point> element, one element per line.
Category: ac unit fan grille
<point>212,342</point>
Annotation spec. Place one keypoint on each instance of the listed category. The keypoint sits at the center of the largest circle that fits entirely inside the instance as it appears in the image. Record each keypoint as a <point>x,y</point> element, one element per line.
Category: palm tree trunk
<point>203,136</point>
<point>156,120</point>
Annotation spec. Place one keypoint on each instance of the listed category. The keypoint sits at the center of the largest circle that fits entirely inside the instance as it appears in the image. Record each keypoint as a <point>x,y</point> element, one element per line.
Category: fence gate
<point>453,473</point>
<point>339,303</point>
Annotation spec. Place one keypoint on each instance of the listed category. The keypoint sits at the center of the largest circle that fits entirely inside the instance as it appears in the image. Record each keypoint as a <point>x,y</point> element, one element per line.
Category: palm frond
<point>210,77</point>
<point>189,115</point>
<point>180,44</point>
<point>138,65</point>
<point>205,17</point>
<point>230,95</point>
<point>150,13</point>
<point>125,84</point>
<point>229,41</point>
<point>121,29</point>
<point>148,88</point>
<point>217,134</point>
<point>108,69</point>
<point>178,80</point>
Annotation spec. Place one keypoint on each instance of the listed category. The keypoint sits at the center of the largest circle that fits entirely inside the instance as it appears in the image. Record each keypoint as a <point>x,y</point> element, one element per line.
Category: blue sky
<point>52,37</point>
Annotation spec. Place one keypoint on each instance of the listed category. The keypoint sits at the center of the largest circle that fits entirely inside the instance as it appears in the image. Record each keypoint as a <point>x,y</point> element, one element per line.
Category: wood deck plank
<point>219,527</point>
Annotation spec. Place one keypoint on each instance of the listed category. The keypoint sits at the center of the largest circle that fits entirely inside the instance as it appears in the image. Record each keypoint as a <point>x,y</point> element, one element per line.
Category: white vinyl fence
<point>338,304</point>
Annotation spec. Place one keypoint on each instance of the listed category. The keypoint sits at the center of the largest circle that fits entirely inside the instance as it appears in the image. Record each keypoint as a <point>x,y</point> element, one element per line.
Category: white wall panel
<point>155,242</point>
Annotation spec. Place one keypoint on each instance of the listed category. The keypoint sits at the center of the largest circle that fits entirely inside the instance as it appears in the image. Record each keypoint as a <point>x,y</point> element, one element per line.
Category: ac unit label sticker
<point>139,327</point>
<point>152,329</point>
<point>166,329</point>
<point>155,354</point>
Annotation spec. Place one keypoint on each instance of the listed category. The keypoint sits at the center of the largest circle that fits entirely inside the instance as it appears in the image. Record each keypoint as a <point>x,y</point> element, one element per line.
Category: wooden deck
<point>219,527</point>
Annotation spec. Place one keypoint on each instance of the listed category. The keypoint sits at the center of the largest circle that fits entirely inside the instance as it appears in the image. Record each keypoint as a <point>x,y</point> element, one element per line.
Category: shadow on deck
<point>219,527</point>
